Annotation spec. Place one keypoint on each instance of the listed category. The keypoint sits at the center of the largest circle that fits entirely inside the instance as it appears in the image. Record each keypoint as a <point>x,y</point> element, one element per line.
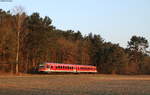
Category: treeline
<point>28,40</point>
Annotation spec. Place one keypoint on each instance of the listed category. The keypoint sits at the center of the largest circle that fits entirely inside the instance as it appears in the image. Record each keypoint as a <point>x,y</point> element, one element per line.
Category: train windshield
<point>41,66</point>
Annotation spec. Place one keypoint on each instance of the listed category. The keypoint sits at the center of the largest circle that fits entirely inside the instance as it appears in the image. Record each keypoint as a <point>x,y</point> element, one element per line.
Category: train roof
<point>67,64</point>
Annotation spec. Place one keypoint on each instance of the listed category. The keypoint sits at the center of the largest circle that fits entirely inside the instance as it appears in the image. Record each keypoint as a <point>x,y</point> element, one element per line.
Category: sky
<point>115,20</point>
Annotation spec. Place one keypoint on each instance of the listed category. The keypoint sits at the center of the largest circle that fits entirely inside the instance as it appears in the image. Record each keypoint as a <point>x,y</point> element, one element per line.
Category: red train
<point>56,67</point>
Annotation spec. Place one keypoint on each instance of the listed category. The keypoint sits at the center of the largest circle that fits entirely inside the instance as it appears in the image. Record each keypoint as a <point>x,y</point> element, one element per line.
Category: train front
<point>43,68</point>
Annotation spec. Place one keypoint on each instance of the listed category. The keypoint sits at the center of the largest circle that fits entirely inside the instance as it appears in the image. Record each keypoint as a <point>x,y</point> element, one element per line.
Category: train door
<point>48,68</point>
<point>74,69</point>
<point>77,68</point>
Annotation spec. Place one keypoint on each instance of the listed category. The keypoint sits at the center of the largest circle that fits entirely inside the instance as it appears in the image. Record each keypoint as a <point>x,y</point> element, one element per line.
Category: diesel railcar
<point>57,67</point>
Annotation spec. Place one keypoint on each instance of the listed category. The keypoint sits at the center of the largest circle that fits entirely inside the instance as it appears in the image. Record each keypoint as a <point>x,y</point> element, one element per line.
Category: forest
<point>28,40</point>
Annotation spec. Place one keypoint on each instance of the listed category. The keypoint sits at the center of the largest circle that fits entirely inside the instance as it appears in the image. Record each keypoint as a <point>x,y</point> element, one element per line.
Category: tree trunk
<point>17,55</point>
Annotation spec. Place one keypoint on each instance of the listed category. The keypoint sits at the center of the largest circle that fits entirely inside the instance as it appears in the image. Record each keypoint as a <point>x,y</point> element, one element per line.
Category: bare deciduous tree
<point>20,16</point>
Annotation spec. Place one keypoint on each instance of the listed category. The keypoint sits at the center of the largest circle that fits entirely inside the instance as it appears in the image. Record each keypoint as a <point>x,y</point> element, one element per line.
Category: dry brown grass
<point>78,84</point>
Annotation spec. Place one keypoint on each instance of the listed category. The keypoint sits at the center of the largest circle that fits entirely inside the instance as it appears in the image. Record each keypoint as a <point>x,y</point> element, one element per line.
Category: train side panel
<point>55,67</point>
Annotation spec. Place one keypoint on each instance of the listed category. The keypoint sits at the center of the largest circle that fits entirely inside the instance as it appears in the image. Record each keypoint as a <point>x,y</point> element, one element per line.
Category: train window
<point>51,66</point>
<point>61,67</point>
<point>48,66</point>
<point>65,67</point>
<point>41,66</point>
<point>58,67</point>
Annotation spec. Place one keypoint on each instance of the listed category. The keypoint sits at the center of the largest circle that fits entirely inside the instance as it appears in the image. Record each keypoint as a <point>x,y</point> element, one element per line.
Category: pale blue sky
<point>114,20</point>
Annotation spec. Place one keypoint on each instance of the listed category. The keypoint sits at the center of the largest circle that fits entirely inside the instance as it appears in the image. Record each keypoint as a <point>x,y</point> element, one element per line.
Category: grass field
<point>77,84</point>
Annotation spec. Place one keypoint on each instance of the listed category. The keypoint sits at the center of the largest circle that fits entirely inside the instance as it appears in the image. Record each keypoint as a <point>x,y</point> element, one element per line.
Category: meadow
<point>75,84</point>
